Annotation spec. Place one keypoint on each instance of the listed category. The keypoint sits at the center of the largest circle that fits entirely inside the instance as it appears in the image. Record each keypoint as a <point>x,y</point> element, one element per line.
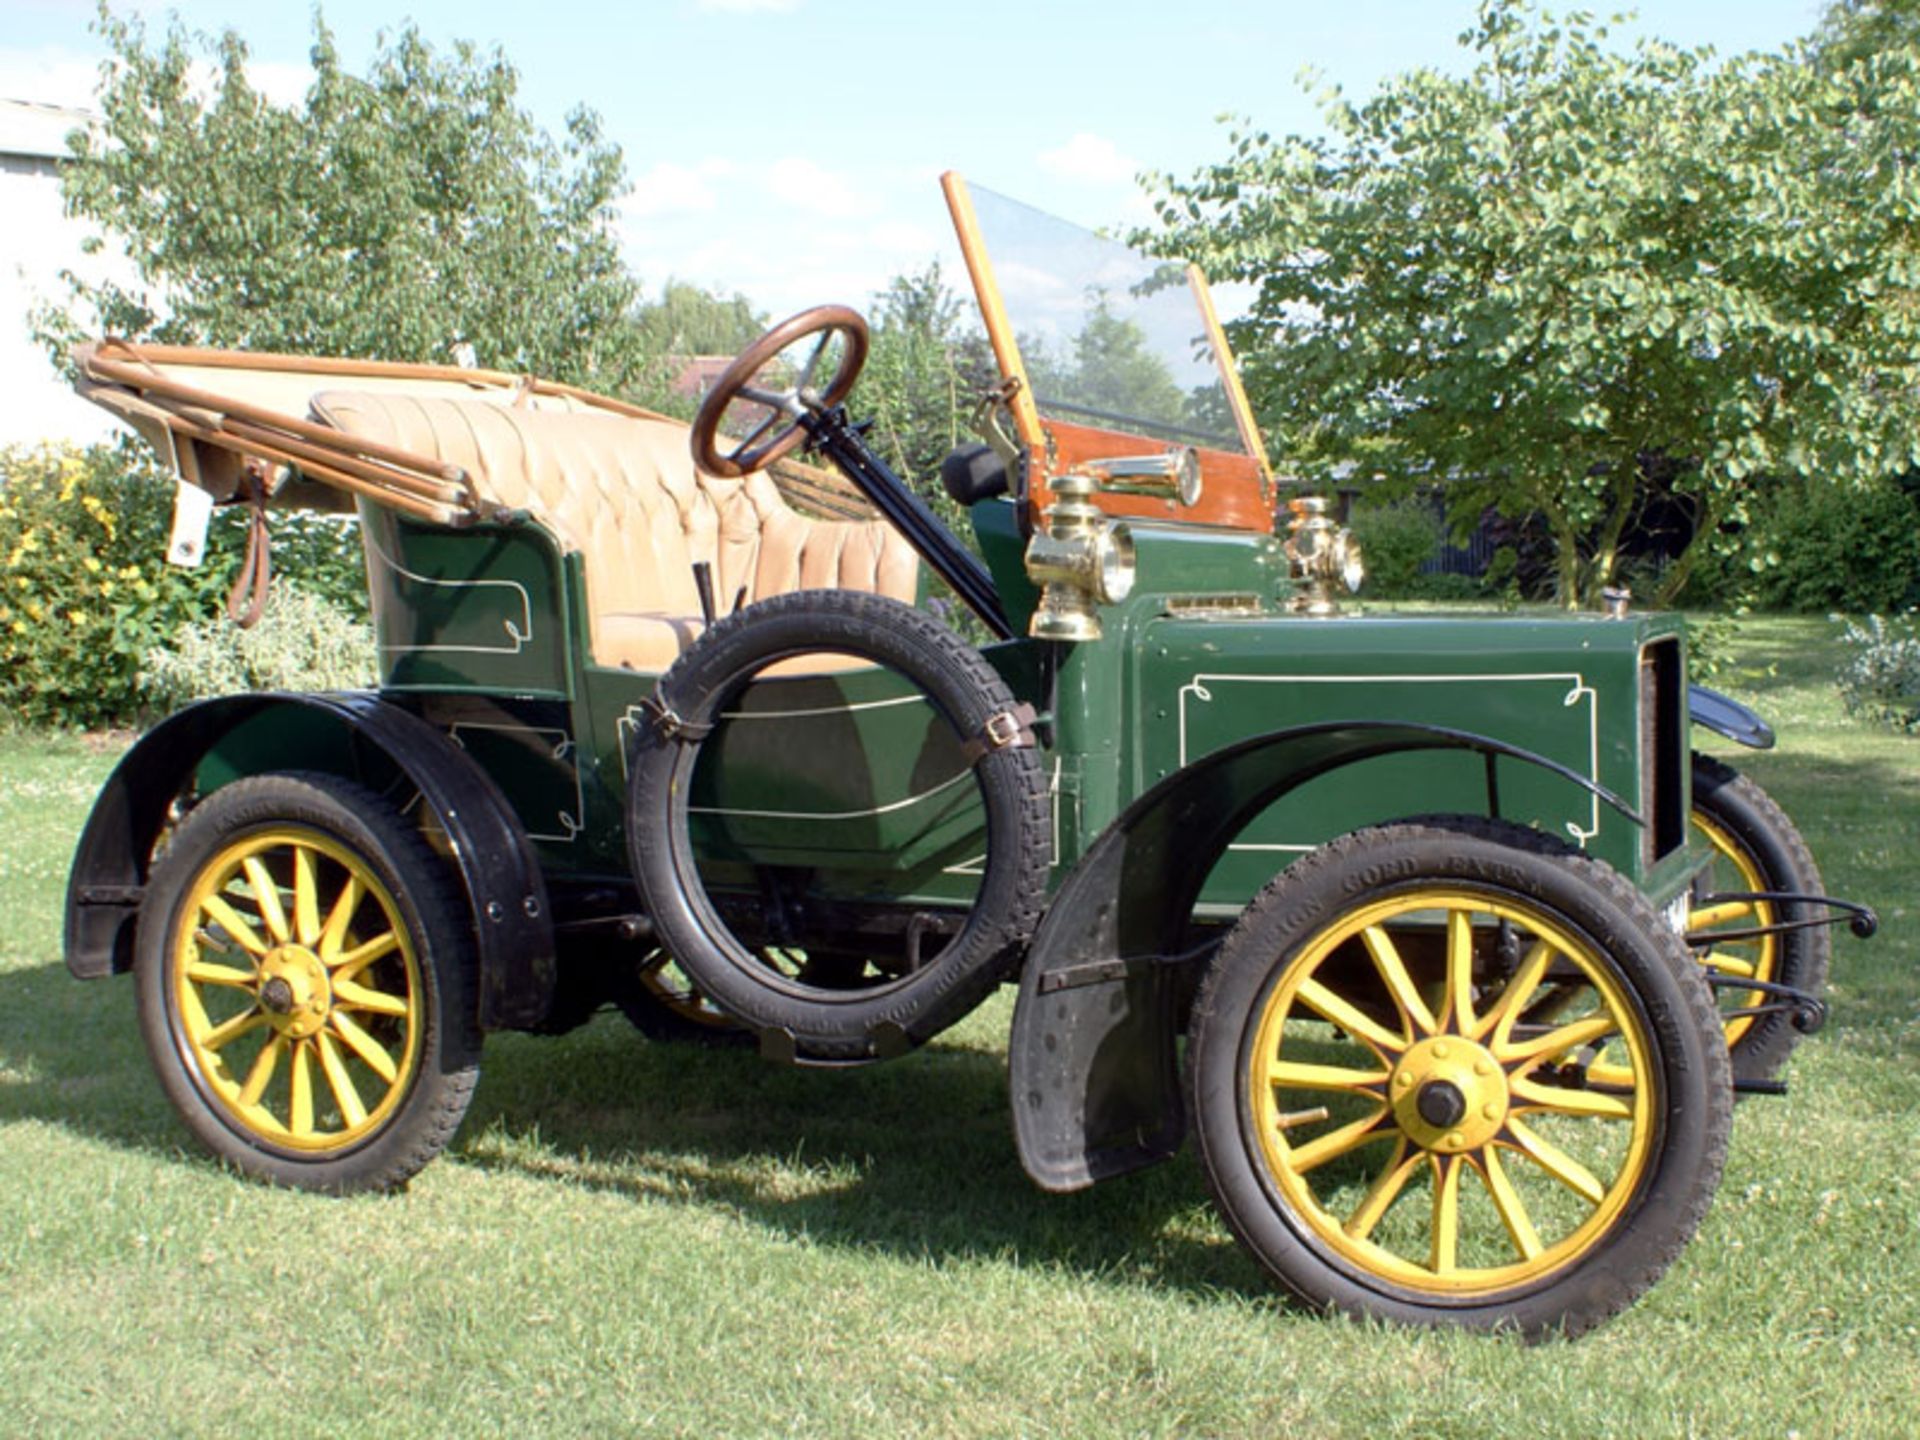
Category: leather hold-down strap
<point>1010,729</point>
<point>665,722</point>
<point>247,600</point>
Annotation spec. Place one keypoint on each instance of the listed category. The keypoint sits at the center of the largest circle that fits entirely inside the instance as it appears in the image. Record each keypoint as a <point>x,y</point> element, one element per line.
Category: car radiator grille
<point>1663,748</point>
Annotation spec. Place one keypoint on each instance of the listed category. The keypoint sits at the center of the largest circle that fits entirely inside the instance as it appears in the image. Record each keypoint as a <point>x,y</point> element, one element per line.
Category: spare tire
<point>830,1004</point>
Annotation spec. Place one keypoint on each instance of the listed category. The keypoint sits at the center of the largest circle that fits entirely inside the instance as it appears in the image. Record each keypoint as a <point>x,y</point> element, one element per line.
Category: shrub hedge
<point>86,595</point>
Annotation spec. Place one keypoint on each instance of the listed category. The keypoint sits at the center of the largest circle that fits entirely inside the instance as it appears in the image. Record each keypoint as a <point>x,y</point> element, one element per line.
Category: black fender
<point>1093,1075</point>
<point>1726,716</point>
<point>380,744</point>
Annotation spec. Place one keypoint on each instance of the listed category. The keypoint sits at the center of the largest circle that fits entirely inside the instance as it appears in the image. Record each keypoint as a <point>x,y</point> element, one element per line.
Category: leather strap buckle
<point>1004,730</point>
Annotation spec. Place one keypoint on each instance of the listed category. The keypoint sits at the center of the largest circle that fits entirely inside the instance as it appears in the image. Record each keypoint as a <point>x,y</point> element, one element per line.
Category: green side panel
<point>826,770</point>
<point>1566,689</point>
<point>532,757</point>
<point>852,774</point>
<point>996,525</point>
<point>476,609</point>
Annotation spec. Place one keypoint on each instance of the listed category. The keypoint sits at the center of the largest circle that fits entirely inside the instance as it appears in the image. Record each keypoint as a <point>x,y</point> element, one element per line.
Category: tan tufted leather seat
<point>625,494</point>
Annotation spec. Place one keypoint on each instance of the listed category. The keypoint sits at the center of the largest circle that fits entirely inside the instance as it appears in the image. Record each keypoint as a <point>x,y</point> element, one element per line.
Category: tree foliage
<point>925,369</point>
<point>1108,366</point>
<point>1854,30</point>
<point>388,216</point>
<point>688,320</point>
<point>1544,276</point>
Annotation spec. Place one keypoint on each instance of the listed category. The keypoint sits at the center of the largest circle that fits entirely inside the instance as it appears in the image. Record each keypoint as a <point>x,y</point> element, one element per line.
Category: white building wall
<point>37,242</point>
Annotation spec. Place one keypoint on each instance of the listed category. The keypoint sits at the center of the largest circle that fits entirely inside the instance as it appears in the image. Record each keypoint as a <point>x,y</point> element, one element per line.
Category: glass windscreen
<point>1109,337</point>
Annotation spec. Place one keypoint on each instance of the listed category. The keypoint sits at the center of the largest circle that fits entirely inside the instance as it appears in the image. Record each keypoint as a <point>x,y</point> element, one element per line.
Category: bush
<point>87,595</point>
<point>1880,677</point>
<point>1442,585</point>
<point>1817,548</point>
<point>1395,541</point>
<point>303,642</point>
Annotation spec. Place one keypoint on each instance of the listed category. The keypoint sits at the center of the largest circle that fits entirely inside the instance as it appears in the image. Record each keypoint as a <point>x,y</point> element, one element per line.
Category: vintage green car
<point>1430,927</point>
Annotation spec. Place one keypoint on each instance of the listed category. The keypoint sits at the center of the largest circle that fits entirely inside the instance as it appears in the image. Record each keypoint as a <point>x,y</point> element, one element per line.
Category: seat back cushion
<point>624,493</point>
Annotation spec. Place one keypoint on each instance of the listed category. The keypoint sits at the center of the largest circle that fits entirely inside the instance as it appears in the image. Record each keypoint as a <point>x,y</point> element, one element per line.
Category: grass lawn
<point>629,1237</point>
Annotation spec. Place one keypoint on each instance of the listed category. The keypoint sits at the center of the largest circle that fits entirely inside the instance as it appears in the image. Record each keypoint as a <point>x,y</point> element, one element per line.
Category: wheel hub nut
<point>294,990</point>
<point>1441,1104</point>
<point>1449,1093</point>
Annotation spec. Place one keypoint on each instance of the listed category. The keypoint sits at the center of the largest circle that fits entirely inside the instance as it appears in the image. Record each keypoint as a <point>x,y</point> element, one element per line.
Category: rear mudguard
<point>380,744</point>
<point>1093,1075</point>
<point>1726,716</point>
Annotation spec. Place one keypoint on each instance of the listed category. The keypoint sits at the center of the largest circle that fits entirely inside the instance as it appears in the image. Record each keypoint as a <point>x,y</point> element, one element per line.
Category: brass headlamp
<point>1321,552</point>
<point>1082,559</point>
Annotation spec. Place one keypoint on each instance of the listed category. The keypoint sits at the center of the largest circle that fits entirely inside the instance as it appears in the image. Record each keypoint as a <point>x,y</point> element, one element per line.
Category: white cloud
<point>808,186</point>
<point>285,85</point>
<point>1091,158</point>
<point>746,7</point>
<point>670,189</point>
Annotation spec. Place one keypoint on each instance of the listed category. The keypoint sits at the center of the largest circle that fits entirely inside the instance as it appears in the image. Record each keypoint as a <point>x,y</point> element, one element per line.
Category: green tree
<point>687,320</point>
<point>390,216</point>
<point>1855,30</point>
<point>925,369</point>
<point>1541,276</point>
<point>1116,371</point>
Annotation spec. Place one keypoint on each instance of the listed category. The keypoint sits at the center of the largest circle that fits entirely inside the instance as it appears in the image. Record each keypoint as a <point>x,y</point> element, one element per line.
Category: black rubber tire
<point>1500,863</point>
<point>1749,816</point>
<point>826,1023</point>
<point>430,907</point>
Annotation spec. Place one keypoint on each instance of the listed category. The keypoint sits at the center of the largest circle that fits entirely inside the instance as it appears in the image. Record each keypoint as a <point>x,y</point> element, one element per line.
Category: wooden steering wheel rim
<point>748,363</point>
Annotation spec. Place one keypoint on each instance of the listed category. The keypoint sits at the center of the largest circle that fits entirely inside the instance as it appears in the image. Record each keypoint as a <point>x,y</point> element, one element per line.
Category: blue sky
<point>790,149</point>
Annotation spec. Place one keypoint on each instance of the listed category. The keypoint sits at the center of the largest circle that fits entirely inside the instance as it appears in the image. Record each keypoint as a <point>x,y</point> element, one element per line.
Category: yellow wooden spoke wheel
<point>1753,847</point>
<point>1458,1073</point>
<point>1734,868</point>
<point>300,952</point>
<point>298,989</point>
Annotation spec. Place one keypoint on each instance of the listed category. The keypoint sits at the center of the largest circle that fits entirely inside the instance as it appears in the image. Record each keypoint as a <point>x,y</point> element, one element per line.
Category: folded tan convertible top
<point>219,416</point>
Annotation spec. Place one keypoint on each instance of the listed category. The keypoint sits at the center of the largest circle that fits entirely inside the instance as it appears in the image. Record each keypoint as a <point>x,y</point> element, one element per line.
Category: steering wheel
<point>785,386</point>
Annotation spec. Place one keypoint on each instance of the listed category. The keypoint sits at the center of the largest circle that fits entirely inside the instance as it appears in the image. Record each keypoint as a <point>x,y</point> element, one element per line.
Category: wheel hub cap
<point>1449,1094</point>
<point>294,990</point>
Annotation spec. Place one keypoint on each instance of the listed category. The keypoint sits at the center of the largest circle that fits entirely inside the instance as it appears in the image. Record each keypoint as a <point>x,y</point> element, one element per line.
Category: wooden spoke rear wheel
<point>305,984</point>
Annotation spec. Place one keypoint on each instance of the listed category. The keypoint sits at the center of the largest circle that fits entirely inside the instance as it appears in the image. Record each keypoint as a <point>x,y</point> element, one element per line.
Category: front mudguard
<point>1093,1074</point>
<point>1726,716</point>
<point>371,741</point>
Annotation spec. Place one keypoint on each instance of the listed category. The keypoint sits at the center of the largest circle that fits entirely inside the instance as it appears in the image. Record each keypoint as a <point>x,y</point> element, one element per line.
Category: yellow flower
<point>19,627</point>
<point>92,565</point>
<point>76,617</point>
<point>130,572</point>
<point>100,513</point>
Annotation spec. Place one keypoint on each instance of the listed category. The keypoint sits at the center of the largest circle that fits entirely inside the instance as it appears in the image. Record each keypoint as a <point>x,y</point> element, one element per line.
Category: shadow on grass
<point>914,1158</point>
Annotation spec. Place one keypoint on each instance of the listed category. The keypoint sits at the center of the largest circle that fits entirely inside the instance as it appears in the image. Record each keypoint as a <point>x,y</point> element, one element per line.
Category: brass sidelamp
<point>1321,551</point>
<point>1081,560</point>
